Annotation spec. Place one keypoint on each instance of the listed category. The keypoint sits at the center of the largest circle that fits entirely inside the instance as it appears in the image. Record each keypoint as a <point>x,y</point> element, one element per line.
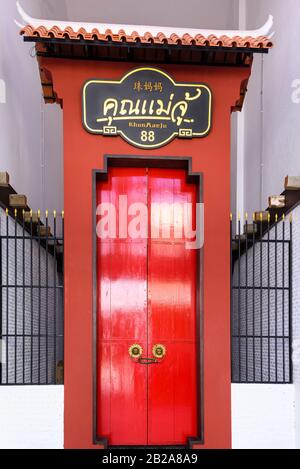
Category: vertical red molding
<point>211,156</point>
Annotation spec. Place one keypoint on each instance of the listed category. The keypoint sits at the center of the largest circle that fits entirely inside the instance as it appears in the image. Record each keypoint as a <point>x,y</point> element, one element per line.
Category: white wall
<point>272,141</point>
<point>194,13</point>
<point>31,417</point>
<point>30,131</point>
<point>263,416</point>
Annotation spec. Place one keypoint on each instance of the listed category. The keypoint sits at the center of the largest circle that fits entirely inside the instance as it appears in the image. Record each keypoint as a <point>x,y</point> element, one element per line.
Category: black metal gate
<point>31,299</point>
<point>32,291</point>
<point>261,302</point>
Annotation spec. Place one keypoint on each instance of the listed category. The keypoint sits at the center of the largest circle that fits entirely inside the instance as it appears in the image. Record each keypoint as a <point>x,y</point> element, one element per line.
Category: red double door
<point>146,298</point>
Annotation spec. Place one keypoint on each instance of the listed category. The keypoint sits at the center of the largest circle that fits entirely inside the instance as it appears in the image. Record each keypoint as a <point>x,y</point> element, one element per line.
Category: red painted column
<point>84,152</point>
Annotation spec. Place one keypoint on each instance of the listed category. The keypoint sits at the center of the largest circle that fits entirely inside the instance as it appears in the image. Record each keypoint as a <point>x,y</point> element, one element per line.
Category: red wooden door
<point>172,415</point>
<point>122,319</point>
<point>146,296</point>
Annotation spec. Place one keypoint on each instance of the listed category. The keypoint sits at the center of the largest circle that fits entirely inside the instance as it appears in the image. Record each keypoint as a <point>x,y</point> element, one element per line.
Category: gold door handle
<point>159,350</point>
<point>147,361</point>
<point>135,351</point>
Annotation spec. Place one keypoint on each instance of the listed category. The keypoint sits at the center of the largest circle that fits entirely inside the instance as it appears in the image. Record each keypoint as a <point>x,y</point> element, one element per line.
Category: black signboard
<point>147,108</point>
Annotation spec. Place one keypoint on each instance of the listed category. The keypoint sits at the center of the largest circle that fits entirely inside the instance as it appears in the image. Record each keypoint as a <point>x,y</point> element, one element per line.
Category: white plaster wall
<point>31,417</point>
<point>263,416</point>
<point>272,139</point>
<point>194,13</point>
<point>30,131</point>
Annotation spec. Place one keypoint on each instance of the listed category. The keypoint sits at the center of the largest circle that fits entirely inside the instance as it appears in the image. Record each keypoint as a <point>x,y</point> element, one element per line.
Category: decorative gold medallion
<point>159,351</point>
<point>135,351</point>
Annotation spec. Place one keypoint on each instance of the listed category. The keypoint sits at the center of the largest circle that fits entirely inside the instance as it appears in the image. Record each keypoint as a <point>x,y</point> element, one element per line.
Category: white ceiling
<point>208,14</point>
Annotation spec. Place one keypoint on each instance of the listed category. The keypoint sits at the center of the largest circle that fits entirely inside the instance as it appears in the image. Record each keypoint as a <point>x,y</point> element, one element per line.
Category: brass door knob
<point>135,351</point>
<point>159,350</point>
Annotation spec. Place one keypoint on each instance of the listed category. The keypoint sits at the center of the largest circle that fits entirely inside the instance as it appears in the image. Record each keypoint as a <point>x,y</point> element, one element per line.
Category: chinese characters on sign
<point>147,108</point>
<point>148,86</point>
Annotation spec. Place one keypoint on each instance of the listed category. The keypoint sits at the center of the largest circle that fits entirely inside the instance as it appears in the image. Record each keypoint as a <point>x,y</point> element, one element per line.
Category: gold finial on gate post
<point>16,213</point>
<point>246,216</point>
<point>39,213</point>
<point>7,212</point>
<point>54,213</point>
<point>63,214</point>
<point>276,217</point>
<point>231,216</point>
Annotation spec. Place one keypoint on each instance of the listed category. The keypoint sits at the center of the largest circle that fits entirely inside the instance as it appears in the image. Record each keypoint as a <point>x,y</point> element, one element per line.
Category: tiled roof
<point>141,43</point>
<point>122,36</point>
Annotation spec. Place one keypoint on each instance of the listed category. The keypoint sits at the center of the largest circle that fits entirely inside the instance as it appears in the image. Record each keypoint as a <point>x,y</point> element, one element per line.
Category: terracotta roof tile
<point>69,33</point>
<point>135,36</point>
<point>53,32</point>
<point>261,42</point>
<point>161,39</point>
<point>98,36</point>
<point>188,39</point>
<point>148,38</point>
<point>122,35</point>
<point>41,31</point>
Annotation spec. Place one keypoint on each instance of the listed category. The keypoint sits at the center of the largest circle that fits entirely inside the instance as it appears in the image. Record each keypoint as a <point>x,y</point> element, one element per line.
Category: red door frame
<point>155,162</point>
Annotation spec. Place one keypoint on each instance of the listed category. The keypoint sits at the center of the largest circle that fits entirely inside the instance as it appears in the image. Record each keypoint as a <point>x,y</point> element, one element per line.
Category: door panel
<point>172,396</point>
<point>171,312</point>
<point>147,295</point>
<point>122,315</point>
